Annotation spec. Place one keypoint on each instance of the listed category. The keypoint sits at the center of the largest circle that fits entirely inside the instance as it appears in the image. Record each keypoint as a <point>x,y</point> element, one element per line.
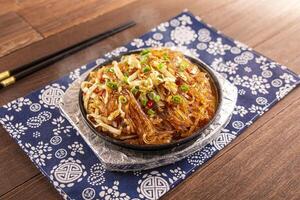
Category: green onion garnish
<point>153,96</point>
<point>125,79</point>
<point>160,77</point>
<point>144,52</point>
<point>122,99</point>
<point>146,69</point>
<point>135,90</point>
<point>151,112</point>
<point>110,70</point>
<point>184,88</point>
<point>144,59</point>
<point>144,101</point>
<point>160,65</point>
<point>112,85</point>
<point>165,57</point>
<point>177,99</point>
<point>156,98</point>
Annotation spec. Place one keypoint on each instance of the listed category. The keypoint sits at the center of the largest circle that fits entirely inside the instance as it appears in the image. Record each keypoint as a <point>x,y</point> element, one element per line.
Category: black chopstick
<point>9,77</point>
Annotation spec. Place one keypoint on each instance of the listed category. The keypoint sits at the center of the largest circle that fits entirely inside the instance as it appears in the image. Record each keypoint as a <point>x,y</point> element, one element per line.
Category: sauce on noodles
<point>154,97</point>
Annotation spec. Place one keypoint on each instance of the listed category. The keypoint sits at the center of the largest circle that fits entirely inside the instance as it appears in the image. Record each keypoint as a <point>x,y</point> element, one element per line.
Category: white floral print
<point>241,45</point>
<point>39,153</point>
<point>75,74</point>
<point>17,104</point>
<point>36,134</point>
<point>257,109</point>
<point>116,52</point>
<point>137,43</point>
<point>14,129</point>
<point>76,147</point>
<point>288,78</point>
<point>283,91</point>
<point>185,19</point>
<point>183,35</point>
<point>247,69</point>
<point>229,67</point>
<point>163,26</point>
<point>60,127</point>
<point>240,110</point>
<point>178,173</point>
<point>257,84</point>
<point>153,43</point>
<point>217,47</point>
<point>113,193</point>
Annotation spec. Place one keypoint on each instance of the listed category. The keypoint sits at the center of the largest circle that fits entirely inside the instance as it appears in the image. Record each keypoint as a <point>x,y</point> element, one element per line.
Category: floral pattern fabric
<point>54,146</point>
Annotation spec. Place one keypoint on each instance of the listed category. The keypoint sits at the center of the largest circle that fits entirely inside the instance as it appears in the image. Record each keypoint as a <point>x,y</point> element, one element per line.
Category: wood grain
<point>266,25</point>
<point>7,6</point>
<point>52,16</point>
<point>15,33</point>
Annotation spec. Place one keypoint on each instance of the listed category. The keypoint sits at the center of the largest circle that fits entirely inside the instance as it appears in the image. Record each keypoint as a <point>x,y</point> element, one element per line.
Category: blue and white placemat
<point>54,146</point>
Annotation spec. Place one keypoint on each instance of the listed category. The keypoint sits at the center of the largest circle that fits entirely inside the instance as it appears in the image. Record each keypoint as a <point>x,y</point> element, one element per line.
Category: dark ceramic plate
<point>176,144</point>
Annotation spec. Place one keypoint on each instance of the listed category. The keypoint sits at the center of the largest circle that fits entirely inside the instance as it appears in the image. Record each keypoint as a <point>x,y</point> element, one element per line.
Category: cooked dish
<point>156,96</point>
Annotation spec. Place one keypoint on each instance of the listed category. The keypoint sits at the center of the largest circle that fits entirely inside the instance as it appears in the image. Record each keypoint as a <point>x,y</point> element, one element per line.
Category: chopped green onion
<point>144,58</point>
<point>184,88</point>
<point>153,96</point>
<point>110,70</point>
<point>151,112</point>
<point>144,52</point>
<point>135,90</point>
<point>146,69</point>
<point>160,77</point>
<point>161,65</point>
<point>122,99</point>
<point>165,57</point>
<point>112,85</point>
<point>144,101</point>
<point>125,79</point>
<point>156,98</point>
<point>177,99</point>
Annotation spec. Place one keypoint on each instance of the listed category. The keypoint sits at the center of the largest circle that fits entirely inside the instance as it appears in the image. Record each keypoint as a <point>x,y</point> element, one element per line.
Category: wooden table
<point>262,163</point>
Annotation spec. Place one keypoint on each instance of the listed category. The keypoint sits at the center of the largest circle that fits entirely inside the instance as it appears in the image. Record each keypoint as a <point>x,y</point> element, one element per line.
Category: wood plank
<point>53,16</point>
<point>253,22</point>
<point>263,166</point>
<point>37,188</point>
<point>15,33</point>
<point>12,164</point>
<point>7,6</point>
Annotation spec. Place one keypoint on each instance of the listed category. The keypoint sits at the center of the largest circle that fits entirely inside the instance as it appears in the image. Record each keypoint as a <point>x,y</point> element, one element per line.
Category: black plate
<point>176,144</point>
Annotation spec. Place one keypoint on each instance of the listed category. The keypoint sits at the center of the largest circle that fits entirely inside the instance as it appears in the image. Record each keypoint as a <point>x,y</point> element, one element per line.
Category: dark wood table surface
<point>262,163</point>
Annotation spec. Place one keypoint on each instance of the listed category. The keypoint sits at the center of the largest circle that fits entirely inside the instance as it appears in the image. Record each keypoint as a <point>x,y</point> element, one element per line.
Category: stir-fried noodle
<point>154,97</point>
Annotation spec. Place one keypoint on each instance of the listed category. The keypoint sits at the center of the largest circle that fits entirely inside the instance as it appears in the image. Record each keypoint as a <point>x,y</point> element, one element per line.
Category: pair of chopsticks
<point>9,77</point>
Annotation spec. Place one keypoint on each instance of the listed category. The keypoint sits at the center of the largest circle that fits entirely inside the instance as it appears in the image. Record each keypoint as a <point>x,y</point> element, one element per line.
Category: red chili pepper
<point>179,81</point>
<point>150,104</point>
